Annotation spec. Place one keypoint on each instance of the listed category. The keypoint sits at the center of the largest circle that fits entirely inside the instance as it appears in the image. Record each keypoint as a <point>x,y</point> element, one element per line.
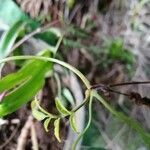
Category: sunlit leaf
<point>72,120</point>
<point>57,128</point>
<point>46,123</point>
<point>34,71</point>
<point>61,108</point>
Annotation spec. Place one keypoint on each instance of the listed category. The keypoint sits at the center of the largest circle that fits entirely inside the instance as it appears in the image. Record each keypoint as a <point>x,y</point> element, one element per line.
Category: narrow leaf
<point>46,123</point>
<point>36,113</point>
<point>8,39</point>
<point>61,108</point>
<point>57,128</point>
<point>68,96</point>
<point>43,110</point>
<point>72,120</point>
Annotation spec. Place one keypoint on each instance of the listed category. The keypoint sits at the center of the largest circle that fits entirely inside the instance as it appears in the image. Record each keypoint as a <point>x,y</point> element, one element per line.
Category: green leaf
<point>34,71</point>
<point>52,37</point>
<point>25,73</point>
<point>72,120</point>
<point>68,96</point>
<point>61,108</point>
<point>36,113</point>
<point>46,123</point>
<point>10,13</point>
<point>8,39</point>
<point>57,128</point>
<point>43,110</point>
<point>118,51</point>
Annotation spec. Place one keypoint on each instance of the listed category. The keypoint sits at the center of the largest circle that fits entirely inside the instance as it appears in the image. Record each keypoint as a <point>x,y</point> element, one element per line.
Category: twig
<point>97,86</point>
<point>111,90</point>
<point>129,83</point>
<point>37,31</point>
<point>24,133</point>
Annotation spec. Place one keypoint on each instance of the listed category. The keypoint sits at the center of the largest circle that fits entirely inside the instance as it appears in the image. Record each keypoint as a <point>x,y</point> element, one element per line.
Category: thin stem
<point>129,83</point>
<point>111,90</point>
<point>97,86</point>
<point>64,64</point>
<point>37,31</point>
<point>58,84</point>
<point>87,95</point>
<point>87,126</point>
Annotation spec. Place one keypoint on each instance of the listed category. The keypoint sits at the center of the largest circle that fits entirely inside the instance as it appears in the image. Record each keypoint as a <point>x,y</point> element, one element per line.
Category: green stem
<point>58,82</point>
<point>135,125</point>
<point>87,95</point>
<point>44,111</point>
<point>64,64</point>
<point>87,126</point>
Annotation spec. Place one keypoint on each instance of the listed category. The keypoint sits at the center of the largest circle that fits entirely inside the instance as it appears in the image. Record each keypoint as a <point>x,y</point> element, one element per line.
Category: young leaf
<point>46,123</point>
<point>57,128</point>
<point>43,110</point>
<point>72,120</point>
<point>36,113</point>
<point>61,108</point>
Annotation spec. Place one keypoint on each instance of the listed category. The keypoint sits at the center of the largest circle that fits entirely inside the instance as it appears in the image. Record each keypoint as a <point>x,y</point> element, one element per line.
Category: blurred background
<point>108,41</point>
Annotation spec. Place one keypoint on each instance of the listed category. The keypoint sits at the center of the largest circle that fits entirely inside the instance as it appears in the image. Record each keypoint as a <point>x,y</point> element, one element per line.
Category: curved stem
<point>64,64</point>
<point>87,126</point>
<point>87,95</point>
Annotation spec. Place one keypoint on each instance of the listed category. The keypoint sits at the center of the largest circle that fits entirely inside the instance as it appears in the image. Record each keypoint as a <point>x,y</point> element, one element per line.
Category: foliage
<point>15,88</point>
<point>116,51</point>
<point>18,85</point>
<point>8,7</point>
